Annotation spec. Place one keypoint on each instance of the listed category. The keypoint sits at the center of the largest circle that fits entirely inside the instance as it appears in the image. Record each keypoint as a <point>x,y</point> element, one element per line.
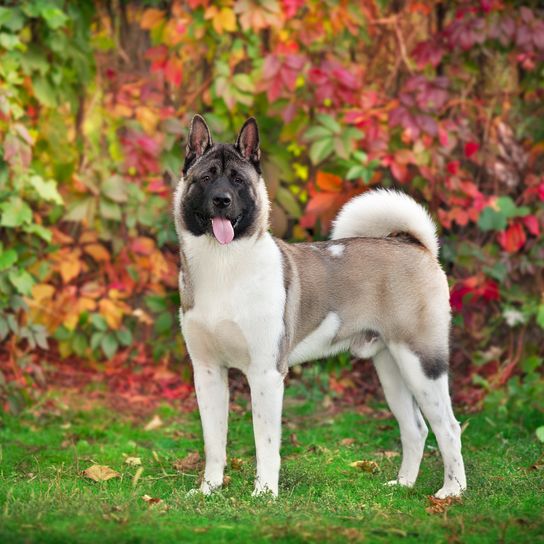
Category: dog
<point>256,303</point>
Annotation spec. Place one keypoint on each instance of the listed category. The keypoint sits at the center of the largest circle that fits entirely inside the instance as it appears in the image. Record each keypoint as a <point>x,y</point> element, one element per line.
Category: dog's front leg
<point>212,393</point>
<point>266,403</point>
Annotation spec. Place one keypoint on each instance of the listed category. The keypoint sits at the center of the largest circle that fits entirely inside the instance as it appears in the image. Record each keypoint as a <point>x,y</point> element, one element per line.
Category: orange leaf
<point>143,245</point>
<point>328,182</point>
<point>513,238</point>
<point>113,312</point>
<point>151,18</point>
<point>97,251</point>
<point>222,19</point>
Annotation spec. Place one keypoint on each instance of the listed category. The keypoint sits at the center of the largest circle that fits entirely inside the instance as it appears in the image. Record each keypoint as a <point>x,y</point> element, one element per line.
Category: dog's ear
<point>248,141</point>
<point>200,138</point>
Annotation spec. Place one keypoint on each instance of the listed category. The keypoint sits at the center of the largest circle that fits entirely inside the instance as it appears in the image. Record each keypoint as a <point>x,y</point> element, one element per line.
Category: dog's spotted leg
<point>212,393</point>
<point>433,397</point>
<point>413,430</point>
<point>266,402</point>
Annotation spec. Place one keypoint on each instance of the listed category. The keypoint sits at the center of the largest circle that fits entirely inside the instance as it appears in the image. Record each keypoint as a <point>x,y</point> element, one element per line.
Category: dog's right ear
<point>199,141</point>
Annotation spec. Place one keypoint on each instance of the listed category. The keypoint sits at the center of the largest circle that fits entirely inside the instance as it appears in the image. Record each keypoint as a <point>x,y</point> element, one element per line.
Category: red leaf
<point>328,182</point>
<point>531,224</point>
<point>471,148</point>
<point>453,167</point>
<point>513,238</point>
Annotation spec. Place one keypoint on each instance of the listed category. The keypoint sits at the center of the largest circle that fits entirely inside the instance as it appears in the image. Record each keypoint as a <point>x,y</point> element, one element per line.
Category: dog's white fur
<point>238,320</point>
<point>382,212</point>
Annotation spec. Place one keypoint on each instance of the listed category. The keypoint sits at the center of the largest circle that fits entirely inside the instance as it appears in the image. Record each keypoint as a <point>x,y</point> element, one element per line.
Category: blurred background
<point>443,100</point>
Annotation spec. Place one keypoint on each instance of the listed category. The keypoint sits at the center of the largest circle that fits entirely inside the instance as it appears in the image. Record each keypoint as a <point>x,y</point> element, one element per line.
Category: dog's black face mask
<point>220,198</point>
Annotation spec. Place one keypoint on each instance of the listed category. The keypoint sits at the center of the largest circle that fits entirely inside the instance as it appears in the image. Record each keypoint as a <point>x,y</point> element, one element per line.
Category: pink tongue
<point>222,230</point>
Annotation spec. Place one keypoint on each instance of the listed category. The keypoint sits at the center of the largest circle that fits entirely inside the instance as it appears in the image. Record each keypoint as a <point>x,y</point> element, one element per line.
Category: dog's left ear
<point>248,141</point>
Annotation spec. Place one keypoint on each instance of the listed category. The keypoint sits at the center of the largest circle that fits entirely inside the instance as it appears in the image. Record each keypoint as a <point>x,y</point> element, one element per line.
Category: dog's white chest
<point>237,316</point>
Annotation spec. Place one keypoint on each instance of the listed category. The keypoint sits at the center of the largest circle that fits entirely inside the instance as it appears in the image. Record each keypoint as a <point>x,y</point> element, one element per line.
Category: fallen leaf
<point>151,500</point>
<point>190,462</point>
<point>155,423</point>
<point>137,476</point>
<point>366,466</point>
<point>236,463</point>
<point>133,461</point>
<point>389,454</point>
<point>100,473</point>
<point>226,480</point>
<point>439,506</point>
<point>347,441</point>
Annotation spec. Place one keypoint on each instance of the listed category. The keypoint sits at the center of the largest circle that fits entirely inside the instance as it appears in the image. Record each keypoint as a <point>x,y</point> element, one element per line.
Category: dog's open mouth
<point>223,228</point>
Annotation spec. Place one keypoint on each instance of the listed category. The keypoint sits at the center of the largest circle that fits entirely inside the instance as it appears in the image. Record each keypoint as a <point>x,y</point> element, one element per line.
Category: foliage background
<point>441,99</point>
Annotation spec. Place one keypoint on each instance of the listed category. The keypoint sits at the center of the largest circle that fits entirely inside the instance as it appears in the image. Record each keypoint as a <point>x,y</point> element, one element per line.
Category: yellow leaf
<point>97,251</point>
<point>222,19</point>
<point>147,118</point>
<point>42,291</point>
<point>366,466</point>
<point>133,461</point>
<point>100,473</point>
<point>112,312</point>
<point>70,268</point>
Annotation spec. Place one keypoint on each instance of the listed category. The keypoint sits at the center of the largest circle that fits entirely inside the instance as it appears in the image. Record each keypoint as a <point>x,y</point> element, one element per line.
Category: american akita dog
<point>256,303</point>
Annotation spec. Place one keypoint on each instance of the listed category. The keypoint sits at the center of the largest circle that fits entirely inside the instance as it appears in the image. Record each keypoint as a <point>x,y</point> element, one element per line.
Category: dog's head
<point>222,193</point>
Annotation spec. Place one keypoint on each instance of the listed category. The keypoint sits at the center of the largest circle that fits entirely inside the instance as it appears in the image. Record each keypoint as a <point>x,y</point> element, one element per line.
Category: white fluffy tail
<point>382,212</point>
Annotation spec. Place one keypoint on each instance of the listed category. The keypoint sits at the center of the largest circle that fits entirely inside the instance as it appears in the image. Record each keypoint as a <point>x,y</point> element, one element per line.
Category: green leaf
<point>54,17</point>
<point>490,219</point>
<point>109,345</point>
<point>540,315</point>
<point>164,323</point>
<point>110,210</point>
<point>44,91</point>
<point>46,189</point>
<point>124,336</point>
<point>288,202</point>
<point>15,212</point>
<point>540,433</point>
<point>22,281</point>
<point>115,188</point>
<point>317,133</point>
<point>8,258</point>
<point>79,210</point>
<point>321,149</point>
<point>39,230</point>
<point>11,18</point>
<point>96,339</point>
<point>332,124</point>
<point>99,322</point>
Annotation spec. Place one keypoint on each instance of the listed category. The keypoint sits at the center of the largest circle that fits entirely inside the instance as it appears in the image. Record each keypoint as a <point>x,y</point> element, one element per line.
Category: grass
<point>45,498</point>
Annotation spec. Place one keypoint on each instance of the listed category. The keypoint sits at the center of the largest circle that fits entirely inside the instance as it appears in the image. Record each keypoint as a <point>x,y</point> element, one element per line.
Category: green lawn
<point>45,498</point>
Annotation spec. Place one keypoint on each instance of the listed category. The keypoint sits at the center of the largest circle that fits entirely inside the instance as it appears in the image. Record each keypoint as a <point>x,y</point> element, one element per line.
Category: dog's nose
<point>222,200</point>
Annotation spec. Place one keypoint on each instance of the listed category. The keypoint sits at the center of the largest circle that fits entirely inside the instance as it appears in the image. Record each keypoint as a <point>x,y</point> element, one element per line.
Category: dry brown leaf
<point>236,463</point>
<point>155,423</point>
<point>366,466</point>
<point>100,473</point>
<point>347,441</point>
<point>439,506</point>
<point>137,476</point>
<point>151,500</point>
<point>133,461</point>
<point>190,462</point>
<point>226,480</point>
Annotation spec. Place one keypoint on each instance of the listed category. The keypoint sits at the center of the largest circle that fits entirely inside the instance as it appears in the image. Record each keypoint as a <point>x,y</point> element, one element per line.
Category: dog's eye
<point>238,180</point>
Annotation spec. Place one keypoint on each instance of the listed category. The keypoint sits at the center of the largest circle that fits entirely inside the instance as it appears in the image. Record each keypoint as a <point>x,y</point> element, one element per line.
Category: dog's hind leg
<point>432,394</point>
<point>212,393</point>
<point>413,430</point>
<point>266,402</point>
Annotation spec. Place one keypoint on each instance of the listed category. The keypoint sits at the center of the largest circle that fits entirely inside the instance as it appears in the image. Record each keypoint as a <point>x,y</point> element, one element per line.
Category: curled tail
<point>382,212</point>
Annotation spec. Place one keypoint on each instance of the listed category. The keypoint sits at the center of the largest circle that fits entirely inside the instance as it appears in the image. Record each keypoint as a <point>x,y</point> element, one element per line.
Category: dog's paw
<point>205,489</point>
<point>400,482</point>
<point>449,491</point>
